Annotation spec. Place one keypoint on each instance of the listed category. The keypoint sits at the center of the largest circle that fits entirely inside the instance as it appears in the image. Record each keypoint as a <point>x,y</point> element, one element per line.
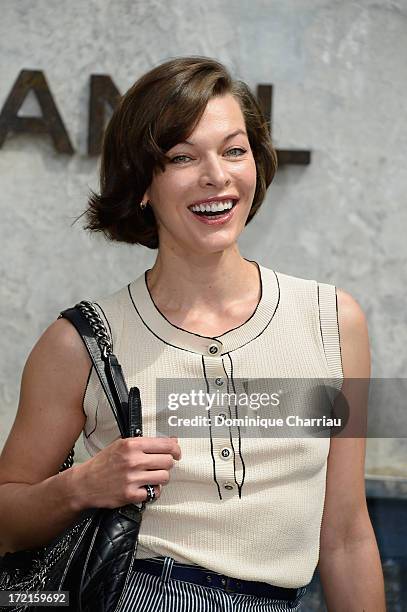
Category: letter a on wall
<point>49,123</point>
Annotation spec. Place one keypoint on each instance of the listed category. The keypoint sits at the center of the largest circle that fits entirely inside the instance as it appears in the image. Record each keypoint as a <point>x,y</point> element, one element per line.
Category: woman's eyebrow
<point>228,137</point>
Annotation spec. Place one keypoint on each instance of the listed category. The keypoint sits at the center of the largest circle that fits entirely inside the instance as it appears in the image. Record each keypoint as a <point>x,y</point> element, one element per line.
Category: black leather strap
<point>136,428</point>
<point>109,372</point>
<point>119,391</point>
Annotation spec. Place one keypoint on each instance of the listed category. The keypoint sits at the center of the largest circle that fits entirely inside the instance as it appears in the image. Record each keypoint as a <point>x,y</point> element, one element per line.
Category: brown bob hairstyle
<point>160,110</point>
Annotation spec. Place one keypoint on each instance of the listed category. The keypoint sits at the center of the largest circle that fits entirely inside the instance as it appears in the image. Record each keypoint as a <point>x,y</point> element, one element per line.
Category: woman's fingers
<point>156,462</point>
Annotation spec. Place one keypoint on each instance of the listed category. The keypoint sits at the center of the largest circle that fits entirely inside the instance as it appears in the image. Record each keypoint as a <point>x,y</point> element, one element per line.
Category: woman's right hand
<point>117,474</point>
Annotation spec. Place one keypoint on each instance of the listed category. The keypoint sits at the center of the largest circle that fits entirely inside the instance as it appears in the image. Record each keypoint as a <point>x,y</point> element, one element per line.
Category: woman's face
<point>214,167</point>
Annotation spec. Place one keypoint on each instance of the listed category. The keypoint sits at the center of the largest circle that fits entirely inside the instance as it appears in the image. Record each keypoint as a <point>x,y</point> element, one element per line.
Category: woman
<point>242,521</point>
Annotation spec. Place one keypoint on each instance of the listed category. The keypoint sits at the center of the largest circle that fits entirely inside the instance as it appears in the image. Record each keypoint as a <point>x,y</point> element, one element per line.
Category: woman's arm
<point>349,562</point>
<point>37,503</point>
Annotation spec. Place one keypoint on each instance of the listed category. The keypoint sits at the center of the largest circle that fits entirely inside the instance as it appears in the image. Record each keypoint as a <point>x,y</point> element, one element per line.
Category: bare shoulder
<point>50,415</point>
<point>349,308</point>
<point>62,339</point>
<point>354,336</point>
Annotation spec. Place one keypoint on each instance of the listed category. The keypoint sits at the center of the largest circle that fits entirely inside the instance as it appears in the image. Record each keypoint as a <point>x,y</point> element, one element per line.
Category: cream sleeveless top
<point>245,505</point>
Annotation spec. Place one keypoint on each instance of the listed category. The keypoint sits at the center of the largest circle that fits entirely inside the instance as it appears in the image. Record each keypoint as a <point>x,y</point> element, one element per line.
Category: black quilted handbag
<point>93,558</point>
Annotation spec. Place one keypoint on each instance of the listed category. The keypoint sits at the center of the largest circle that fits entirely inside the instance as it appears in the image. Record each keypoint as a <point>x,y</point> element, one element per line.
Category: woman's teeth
<point>213,208</point>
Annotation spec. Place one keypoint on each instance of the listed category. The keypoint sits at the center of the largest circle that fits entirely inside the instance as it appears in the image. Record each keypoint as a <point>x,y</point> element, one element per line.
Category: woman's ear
<point>146,196</point>
<point>145,200</point>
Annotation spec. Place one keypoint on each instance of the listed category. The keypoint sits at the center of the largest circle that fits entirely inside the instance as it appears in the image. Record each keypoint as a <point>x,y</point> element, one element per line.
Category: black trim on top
<point>97,406</point>
<point>230,430</point>
<point>86,388</point>
<point>337,326</point>
<point>268,323</point>
<point>219,338</point>
<point>168,321</point>
<point>322,337</point>
<point>87,436</point>
<point>153,332</point>
<point>240,486</point>
<point>210,432</point>
<point>224,333</point>
<point>258,302</point>
<point>320,325</point>
<point>339,334</point>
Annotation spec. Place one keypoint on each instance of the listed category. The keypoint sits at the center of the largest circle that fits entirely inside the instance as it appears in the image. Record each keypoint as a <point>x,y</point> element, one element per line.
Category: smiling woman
<point>240,521</point>
<point>217,152</point>
<point>152,136</point>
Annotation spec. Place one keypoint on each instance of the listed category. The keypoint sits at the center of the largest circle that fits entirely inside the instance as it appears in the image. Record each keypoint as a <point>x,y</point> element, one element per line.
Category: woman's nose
<point>214,173</point>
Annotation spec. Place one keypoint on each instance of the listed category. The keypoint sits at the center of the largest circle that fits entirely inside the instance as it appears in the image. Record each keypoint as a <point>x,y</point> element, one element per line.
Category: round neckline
<point>232,339</point>
<point>201,335</point>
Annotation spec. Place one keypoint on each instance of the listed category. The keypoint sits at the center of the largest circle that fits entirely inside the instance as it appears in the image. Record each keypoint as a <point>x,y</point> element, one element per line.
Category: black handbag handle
<point>109,371</point>
<point>126,407</point>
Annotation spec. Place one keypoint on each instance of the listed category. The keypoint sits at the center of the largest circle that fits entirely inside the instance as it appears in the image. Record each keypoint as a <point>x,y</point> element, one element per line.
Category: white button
<point>225,453</point>
<point>229,486</point>
<point>213,349</point>
<point>219,381</point>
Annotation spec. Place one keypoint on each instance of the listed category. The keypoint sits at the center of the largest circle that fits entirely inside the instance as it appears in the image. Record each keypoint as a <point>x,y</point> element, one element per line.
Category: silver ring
<point>151,496</point>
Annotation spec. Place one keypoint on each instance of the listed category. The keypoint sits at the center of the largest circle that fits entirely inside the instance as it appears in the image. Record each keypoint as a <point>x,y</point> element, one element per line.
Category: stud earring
<point>143,205</point>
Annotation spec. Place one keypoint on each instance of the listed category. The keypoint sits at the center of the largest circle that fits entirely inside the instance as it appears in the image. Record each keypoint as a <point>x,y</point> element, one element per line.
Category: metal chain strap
<point>68,461</point>
<point>98,327</point>
<point>44,559</point>
<point>105,345</point>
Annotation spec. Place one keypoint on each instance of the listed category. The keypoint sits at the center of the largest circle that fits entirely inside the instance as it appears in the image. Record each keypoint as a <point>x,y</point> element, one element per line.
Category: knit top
<point>242,501</point>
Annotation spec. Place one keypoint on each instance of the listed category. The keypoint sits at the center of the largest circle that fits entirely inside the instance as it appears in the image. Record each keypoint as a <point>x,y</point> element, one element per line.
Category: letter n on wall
<point>102,91</point>
<point>49,123</point>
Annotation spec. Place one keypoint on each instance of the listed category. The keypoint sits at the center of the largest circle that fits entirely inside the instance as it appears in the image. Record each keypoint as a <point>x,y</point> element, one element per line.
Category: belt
<point>203,577</point>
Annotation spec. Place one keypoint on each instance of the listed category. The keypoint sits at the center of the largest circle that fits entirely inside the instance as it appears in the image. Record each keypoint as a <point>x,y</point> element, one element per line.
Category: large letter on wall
<point>285,156</point>
<point>102,91</point>
<point>50,122</point>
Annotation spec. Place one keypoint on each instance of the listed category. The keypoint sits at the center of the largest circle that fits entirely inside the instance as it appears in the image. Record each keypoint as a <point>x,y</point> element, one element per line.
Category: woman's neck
<point>211,293</point>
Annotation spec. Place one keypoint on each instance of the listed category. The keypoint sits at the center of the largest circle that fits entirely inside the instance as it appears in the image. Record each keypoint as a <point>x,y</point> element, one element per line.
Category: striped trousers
<point>147,593</point>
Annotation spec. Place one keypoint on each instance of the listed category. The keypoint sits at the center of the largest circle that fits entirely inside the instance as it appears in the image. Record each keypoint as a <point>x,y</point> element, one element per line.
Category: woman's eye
<point>179,159</point>
<point>236,152</point>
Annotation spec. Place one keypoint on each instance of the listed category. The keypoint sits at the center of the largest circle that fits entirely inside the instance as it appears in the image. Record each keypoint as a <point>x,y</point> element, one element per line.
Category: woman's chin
<point>213,244</point>
<point>202,243</point>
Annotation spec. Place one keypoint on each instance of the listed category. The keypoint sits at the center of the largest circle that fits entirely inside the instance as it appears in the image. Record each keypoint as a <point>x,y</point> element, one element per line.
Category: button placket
<point>216,380</point>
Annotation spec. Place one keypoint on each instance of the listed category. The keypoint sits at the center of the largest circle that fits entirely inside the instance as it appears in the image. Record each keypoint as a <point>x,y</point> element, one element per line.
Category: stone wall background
<point>339,71</point>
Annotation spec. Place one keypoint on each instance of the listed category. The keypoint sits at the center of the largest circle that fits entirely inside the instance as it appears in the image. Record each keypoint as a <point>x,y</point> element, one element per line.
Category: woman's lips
<point>218,220</point>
